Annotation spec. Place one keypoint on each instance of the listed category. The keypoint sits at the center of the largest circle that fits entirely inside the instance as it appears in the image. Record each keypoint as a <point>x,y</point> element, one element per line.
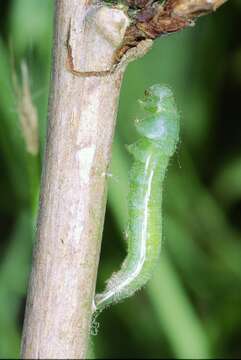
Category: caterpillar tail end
<point>94,307</point>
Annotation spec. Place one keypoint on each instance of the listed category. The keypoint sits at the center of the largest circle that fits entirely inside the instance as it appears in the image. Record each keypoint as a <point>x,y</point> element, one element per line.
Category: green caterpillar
<point>159,129</point>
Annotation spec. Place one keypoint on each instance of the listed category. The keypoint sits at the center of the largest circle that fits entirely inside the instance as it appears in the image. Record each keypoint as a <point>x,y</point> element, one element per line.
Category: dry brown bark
<point>153,19</point>
<point>82,116</point>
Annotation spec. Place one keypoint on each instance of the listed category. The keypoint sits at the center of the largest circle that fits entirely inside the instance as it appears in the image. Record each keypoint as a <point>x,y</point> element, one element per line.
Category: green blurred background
<point>192,306</point>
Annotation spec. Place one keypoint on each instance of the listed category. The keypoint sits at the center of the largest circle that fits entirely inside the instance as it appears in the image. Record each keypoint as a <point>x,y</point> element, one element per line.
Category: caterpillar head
<point>156,97</point>
<point>161,124</point>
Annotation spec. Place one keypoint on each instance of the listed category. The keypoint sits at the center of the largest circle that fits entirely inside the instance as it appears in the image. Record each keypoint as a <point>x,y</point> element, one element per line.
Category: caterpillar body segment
<point>159,131</point>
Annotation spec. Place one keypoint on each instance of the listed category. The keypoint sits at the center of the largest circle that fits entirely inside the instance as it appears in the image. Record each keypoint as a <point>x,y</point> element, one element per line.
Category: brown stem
<point>82,118</point>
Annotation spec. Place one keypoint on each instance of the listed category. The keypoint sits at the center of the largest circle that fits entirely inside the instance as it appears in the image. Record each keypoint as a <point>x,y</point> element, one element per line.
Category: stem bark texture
<point>82,114</point>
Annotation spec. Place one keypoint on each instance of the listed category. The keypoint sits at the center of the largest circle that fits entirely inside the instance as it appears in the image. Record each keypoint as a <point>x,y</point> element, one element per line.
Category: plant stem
<point>73,192</point>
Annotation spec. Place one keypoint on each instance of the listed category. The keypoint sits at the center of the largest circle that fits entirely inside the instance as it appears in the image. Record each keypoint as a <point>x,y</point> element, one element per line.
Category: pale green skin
<point>160,131</point>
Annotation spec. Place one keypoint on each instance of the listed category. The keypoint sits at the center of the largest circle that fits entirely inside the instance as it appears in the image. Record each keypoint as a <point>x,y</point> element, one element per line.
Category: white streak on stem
<point>85,159</point>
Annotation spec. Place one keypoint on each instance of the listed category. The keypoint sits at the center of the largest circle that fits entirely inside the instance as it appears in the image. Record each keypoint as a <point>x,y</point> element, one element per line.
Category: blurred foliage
<point>191,308</point>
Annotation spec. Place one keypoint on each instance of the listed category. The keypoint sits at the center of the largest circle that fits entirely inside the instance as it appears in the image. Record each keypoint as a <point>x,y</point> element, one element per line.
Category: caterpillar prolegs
<point>159,130</point>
